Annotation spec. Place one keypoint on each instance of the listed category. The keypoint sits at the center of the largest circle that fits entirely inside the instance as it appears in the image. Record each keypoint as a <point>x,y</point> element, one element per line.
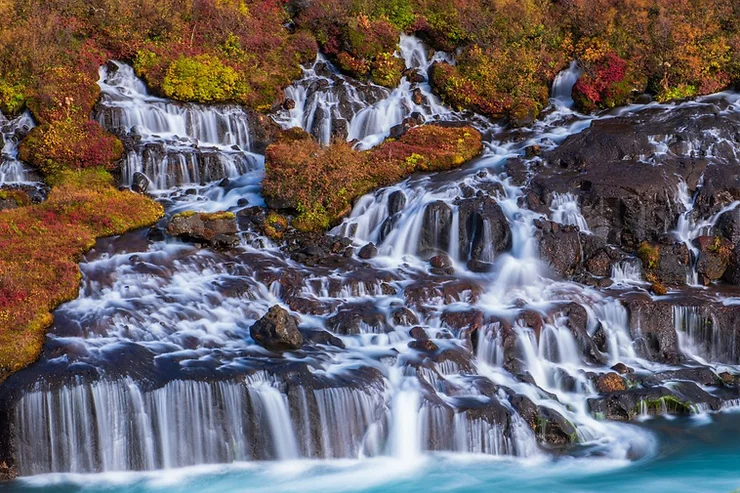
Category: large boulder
<point>436,226</point>
<point>714,257</point>
<point>484,231</point>
<point>217,229</point>
<point>276,331</point>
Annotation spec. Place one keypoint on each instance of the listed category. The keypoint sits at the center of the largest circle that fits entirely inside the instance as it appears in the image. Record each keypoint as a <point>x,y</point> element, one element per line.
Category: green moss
<point>649,255</point>
<point>668,403</point>
<point>206,216</point>
<point>203,79</point>
<point>12,97</point>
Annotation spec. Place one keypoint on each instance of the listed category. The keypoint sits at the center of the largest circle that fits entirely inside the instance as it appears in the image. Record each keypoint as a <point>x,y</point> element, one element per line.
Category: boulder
<point>276,331</point>
<point>140,183</point>
<point>714,257</point>
<point>484,231</point>
<point>217,229</point>
<point>368,251</point>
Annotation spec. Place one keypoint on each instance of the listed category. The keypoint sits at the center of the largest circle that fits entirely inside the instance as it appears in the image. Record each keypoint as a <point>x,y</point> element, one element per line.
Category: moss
<point>39,246</point>
<point>649,255</point>
<point>275,225</point>
<point>667,403</point>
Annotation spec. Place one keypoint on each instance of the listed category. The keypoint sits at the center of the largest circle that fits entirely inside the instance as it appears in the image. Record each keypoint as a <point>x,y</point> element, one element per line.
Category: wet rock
<point>628,190</point>
<point>549,426</point>
<point>288,104</point>
<point>532,151</point>
<point>714,257</point>
<point>418,333</point>
<point>600,264</point>
<point>140,183</point>
<point>396,202</point>
<point>358,318</point>
<point>322,337</point>
<point>441,261</point>
<point>368,251</point>
<point>653,330</point>
<point>609,382</point>
<point>155,234</point>
<point>436,225</point>
<point>629,404</point>
<point>276,331</point>
<point>622,369</point>
<point>560,248</point>
<point>728,226</point>
<point>484,231</point>
<point>417,96</point>
<point>404,316</point>
<point>424,345</point>
<point>215,229</point>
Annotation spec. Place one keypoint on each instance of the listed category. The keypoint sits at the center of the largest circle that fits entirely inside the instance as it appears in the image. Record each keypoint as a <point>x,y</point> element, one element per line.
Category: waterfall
<point>11,133</point>
<point>329,105</point>
<point>562,86</point>
<point>173,143</point>
<point>701,337</point>
<point>565,210</point>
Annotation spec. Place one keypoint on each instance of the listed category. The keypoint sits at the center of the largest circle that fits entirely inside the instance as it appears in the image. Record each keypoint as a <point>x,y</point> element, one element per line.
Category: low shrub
<point>319,183</point>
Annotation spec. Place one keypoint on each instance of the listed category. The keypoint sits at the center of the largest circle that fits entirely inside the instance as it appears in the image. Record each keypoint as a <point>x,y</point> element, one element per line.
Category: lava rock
<point>714,257</point>
<point>276,331</point>
<point>368,251</point>
<point>140,183</point>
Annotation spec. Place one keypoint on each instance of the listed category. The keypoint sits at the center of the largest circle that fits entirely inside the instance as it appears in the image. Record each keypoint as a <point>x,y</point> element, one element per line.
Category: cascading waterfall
<point>328,105</point>
<point>562,86</point>
<point>565,210</point>
<point>11,132</point>
<point>161,371</point>
<point>173,143</point>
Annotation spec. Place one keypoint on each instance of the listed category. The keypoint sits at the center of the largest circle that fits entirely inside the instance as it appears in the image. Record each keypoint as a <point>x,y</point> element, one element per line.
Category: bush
<point>70,144</point>
<point>203,79</point>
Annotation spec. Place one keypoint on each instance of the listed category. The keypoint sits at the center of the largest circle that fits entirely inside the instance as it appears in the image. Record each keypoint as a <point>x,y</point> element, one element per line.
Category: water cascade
<point>11,132</point>
<point>485,350</point>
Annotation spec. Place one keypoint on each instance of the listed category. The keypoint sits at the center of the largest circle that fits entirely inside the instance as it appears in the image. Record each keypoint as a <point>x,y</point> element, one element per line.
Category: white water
<point>175,143</point>
<point>11,132</point>
<point>329,105</point>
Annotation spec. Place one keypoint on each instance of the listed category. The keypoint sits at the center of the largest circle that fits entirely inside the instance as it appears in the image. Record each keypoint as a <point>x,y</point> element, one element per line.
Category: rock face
<point>7,473</point>
<point>276,331</point>
<point>484,231</point>
<point>628,192</point>
<point>215,229</point>
<point>140,183</point>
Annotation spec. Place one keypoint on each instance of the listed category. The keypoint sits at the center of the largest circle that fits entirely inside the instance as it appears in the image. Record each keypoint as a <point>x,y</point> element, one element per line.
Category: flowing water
<point>12,171</point>
<point>152,367</point>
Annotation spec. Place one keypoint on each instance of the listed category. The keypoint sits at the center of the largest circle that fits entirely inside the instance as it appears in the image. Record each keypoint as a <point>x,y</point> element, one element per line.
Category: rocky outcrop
<point>276,331</point>
<point>484,231</point>
<point>215,229</point>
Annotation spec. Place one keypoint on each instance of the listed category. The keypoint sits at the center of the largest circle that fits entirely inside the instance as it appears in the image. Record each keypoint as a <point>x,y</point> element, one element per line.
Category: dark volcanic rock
<point>368,251</point>
<point>629,192</point>
<point>276,331</point>
<point>484,230</point>
<point>435,232</point>
<point>714,257</point>
<point>560,248</point>
<point>140,183</point>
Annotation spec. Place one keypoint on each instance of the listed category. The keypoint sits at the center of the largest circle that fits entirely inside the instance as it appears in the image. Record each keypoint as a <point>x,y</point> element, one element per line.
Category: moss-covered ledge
<point>39,249</point>
<point>318,183</point>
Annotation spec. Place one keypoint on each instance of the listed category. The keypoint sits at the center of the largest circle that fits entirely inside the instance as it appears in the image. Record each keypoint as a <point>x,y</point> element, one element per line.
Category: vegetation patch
<point>39,249</point>
<point>319,183</point>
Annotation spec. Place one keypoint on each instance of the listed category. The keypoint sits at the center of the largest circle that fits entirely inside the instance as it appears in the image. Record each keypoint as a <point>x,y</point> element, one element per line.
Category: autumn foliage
<point>40,245</point>
<point>319,182</point>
